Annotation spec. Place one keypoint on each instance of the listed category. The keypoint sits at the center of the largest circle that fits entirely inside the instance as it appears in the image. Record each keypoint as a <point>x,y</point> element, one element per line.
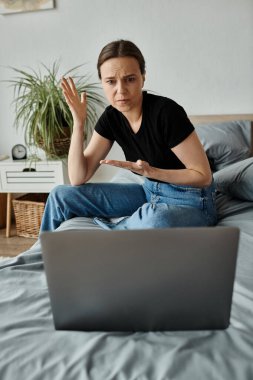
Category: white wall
<point>198,52</point>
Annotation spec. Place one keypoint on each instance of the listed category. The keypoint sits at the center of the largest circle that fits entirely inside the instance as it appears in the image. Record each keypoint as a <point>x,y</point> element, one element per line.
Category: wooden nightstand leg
<point>8,215</point>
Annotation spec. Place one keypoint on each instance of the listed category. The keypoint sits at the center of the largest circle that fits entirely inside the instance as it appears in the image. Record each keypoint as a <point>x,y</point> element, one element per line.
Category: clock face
<point>19,152</point>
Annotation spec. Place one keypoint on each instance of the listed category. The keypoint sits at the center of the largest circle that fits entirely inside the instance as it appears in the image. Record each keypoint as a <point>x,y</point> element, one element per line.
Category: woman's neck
<point>135,121</point>
<point>134,117</point>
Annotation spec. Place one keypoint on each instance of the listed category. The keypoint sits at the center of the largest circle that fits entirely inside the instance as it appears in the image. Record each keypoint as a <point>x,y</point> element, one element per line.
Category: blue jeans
<point>148,205</point>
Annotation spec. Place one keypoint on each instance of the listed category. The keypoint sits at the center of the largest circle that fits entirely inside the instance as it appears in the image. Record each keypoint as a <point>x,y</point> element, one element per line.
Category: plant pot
<point>60,146</point>
<point>59,149</point>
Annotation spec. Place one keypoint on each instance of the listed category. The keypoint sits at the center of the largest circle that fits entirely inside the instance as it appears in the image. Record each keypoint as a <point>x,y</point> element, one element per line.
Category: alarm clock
<point>19,152</point>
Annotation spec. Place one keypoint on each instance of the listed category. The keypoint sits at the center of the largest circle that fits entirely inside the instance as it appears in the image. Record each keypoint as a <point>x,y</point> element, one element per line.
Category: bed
<point>30,348</point>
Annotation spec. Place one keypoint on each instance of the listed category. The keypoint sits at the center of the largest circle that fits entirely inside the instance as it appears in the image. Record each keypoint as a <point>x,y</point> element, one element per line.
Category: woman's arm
<point>190,152</point>
<point>82,164</point>
<point>197,170</point>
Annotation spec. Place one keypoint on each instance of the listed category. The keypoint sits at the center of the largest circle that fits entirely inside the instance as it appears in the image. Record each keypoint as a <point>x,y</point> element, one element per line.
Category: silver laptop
<point>141,280</point>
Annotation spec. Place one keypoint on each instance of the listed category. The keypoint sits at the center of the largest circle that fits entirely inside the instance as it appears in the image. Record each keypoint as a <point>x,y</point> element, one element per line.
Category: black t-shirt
<point>164,125</point>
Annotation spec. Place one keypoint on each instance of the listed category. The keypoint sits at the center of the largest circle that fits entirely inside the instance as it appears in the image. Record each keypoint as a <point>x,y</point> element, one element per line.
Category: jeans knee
<point>57,189</point>
<point>162,215</point>
<point>154,215</point>
<point>59,192</point>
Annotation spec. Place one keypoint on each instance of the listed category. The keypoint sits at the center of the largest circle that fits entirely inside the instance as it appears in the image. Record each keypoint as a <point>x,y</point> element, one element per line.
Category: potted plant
<point>41,109</point>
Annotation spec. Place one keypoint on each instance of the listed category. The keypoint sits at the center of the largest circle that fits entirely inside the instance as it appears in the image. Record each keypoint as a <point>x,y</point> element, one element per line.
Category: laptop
<point>141,280</point>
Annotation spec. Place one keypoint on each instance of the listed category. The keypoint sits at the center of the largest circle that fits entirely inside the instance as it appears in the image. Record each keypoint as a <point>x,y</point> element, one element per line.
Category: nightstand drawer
<point>40,177</point>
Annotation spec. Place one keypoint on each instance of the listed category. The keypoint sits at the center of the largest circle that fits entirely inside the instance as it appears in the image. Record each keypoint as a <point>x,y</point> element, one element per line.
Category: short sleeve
<point>103,126</point>
<point>177,126</point>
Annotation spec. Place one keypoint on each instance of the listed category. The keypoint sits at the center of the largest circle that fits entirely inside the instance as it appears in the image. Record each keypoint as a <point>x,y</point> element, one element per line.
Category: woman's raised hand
<point>77,104</point>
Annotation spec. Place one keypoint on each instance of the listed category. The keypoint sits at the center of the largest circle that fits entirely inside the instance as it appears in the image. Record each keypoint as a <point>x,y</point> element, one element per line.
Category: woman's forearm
<point>186,177</point>
<point>200,176</point>
<point>76,160</point>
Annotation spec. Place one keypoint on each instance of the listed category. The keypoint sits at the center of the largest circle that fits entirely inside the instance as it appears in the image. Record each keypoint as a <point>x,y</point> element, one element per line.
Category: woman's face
<point>122,83</point>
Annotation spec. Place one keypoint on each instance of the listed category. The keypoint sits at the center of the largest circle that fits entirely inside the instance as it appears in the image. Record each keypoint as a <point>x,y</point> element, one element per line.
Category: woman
<point>159,143</point>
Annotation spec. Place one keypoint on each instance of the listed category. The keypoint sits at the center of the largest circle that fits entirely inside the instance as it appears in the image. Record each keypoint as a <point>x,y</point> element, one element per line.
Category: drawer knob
<point>29,170</point>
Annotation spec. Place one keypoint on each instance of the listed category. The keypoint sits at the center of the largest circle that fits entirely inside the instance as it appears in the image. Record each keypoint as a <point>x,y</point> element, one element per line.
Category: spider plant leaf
<point>40,107</point>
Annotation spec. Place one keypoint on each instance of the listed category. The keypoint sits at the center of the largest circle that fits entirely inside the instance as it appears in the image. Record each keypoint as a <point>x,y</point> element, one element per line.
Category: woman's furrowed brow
<point>124,76</point>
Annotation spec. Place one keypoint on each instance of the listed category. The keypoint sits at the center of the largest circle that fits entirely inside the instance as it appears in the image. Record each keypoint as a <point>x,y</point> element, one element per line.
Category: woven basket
<point>60,148</point>
<point>28,211</point>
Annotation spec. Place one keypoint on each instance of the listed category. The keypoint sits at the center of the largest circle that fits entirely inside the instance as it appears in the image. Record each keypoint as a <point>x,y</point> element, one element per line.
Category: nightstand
<point>25,177</point>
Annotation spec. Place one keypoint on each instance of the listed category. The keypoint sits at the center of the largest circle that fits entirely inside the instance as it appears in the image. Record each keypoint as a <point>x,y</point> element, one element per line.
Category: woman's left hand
<point>140,167</point>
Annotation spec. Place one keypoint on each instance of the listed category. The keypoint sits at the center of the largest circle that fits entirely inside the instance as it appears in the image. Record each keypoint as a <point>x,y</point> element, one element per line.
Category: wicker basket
<point>28,211</point>
<point>59,149</point>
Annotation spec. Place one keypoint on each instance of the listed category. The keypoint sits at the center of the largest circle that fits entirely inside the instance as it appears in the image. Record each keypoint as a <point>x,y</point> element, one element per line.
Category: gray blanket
<point>30,348</point>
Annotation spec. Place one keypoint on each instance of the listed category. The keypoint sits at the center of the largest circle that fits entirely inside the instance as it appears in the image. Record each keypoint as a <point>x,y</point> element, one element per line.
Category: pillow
<point>236,180</point>
<point>226,142</point>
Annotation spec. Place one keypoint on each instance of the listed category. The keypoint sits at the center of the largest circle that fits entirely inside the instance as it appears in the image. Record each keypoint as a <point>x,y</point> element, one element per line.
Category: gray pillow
<point>226,142</point>
<point>236,180</point>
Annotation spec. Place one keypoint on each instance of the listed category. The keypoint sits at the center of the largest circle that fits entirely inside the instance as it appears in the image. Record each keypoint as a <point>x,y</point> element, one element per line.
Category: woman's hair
<point>120,48</point>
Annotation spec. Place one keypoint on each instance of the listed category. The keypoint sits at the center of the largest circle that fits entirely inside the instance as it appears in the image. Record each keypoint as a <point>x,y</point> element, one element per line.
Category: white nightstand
<point>25,177</point>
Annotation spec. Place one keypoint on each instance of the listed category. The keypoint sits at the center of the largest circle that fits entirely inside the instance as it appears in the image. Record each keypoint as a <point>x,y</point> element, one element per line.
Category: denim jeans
<point>148,205</point>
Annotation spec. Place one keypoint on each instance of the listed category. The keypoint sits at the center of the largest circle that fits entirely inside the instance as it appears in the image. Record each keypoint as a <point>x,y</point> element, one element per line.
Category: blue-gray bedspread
<point>31,349</point>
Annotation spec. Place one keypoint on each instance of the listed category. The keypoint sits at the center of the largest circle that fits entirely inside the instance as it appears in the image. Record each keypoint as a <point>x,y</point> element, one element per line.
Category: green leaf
<point>40,108</point>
